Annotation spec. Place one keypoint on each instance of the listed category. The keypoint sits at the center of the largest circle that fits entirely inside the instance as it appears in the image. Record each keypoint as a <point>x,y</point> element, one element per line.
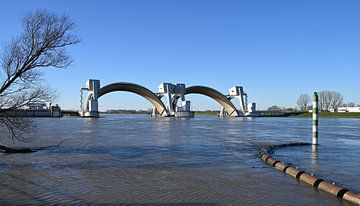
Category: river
<point>138,160</point>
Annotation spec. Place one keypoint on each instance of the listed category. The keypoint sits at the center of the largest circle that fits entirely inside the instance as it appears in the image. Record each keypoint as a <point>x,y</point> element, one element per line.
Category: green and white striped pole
<point>315,121</point>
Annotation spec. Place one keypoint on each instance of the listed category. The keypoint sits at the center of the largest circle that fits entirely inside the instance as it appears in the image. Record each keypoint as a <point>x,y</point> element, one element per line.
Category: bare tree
<point>336,100</point>
<point>303,102</point>
<point>41,45</point>
<point>330,100</point>
<point>321,101</point>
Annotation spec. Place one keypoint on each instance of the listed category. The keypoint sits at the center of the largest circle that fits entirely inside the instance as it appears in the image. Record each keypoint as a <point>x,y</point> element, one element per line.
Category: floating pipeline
<point>310,179</point>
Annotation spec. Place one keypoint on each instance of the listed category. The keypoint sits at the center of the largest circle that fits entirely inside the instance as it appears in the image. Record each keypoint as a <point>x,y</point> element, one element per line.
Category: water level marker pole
<point>315,111</point>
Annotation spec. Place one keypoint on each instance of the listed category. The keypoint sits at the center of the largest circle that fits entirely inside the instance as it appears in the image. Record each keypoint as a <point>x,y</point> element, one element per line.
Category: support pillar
<point>173,92</point>
<point>222,113</point>
<point>238,92</point>
<point>92,108</point>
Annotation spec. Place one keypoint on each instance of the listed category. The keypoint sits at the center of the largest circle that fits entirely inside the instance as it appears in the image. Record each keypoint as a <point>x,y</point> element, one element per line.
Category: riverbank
<point>328,115</point>
<point>207,113</point>
<point>261,114</point>
<point>125,111</point>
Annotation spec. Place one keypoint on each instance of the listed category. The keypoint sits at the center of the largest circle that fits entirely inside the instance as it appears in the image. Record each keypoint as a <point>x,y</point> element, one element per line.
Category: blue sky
<point>276,49</point>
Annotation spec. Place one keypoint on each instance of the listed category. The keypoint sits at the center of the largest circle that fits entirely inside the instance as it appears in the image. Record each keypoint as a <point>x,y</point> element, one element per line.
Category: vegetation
<point>329,115</point>
<point>124,111</point>
<point>303,102</point>
<point>330,100</point>
<point>41,45</point>
<point>276,108</point>
<point>350,104</point>
<point>277,113</point>
<point>207,112</point>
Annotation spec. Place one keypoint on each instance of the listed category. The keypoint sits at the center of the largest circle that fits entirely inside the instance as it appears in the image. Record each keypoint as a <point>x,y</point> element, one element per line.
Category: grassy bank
<point>329,115</point>
<point>207,113</point>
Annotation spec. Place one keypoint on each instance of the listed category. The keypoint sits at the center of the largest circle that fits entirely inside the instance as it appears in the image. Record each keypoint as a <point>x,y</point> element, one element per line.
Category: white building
<point>349,109</point>
<point>36,106</point>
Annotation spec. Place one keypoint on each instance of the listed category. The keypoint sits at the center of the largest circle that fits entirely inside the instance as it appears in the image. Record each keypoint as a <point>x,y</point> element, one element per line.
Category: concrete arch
<point>217,96</point>
<point>134,88</point>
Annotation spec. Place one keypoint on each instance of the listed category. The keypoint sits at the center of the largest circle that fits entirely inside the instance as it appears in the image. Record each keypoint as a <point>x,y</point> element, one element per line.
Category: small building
<point>349,109</point>
<point>55,111</point>
<point>36,106</point>
<point>251,107</point>
<point>41,110</point>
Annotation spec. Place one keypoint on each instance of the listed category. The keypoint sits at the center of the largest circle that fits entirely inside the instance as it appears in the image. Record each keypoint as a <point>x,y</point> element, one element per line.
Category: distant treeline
<point>125,111</point>
<point>208,112</point>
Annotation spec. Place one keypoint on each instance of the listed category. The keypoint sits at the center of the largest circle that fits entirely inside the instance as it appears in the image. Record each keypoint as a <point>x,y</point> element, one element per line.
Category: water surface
<point>135,159</point>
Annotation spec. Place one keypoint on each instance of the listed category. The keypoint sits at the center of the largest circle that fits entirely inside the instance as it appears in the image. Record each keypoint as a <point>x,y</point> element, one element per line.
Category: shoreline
<point>340,115</point>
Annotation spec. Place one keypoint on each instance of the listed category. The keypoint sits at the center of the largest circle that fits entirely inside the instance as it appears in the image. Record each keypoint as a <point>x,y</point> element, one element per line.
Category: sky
<point>275,49</point>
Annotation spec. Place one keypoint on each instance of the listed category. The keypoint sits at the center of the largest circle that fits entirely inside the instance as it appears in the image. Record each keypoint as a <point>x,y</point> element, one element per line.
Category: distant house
<point>41,110</point>
<point>36,106</point>
<point>349,109</point>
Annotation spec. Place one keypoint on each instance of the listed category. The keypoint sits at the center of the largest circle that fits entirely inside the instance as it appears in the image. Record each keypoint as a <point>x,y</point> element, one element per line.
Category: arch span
<point>134,88</point>
<point>217,96</point>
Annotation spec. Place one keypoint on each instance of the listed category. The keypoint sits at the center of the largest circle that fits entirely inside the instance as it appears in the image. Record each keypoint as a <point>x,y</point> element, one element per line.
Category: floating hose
<point>331,188</point>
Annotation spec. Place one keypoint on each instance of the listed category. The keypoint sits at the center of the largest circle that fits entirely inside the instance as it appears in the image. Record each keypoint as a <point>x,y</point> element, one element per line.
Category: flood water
<point>138,160</point>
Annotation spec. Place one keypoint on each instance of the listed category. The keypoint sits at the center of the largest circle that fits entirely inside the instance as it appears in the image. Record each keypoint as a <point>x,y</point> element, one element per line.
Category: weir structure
<point>172,93</point>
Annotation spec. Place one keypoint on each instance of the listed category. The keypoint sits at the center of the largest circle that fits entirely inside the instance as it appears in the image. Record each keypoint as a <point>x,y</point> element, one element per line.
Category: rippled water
<point>134,159</point>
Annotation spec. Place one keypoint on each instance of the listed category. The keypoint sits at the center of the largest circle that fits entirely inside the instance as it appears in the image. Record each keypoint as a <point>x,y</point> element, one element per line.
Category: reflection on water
<point>314,156</point>
<point>333,159</point>
<point>134,159</point>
